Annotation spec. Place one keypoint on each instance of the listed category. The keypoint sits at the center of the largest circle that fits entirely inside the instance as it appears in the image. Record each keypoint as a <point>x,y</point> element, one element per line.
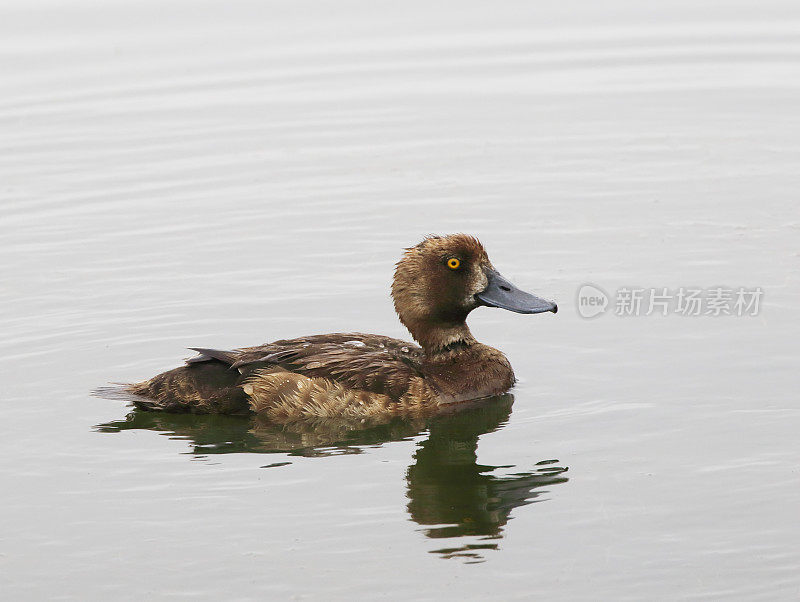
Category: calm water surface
<point>181,174</point>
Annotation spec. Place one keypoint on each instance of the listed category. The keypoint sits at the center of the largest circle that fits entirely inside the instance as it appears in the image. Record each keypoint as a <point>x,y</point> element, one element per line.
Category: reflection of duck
<point>436,285</point>
<point>449,489</point>
<point>218,434</point>
<point>449,492</point>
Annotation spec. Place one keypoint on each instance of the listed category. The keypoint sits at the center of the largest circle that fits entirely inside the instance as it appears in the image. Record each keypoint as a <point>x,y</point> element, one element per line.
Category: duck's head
<point>443,278</point>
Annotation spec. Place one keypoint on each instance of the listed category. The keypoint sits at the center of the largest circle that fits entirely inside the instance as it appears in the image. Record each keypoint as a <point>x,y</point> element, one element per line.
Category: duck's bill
<point>501,293</point>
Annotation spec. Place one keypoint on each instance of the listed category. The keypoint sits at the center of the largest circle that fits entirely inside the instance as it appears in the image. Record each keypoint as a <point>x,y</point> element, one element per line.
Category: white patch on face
<point>478,283</point>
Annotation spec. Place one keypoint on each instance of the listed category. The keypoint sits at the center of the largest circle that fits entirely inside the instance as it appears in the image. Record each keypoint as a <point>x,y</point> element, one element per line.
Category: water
<point>200,174</point>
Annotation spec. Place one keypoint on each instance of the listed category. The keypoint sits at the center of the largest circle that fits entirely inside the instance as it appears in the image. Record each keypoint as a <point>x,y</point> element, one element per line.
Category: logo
<point>592,301</point>
<point>684,301</point>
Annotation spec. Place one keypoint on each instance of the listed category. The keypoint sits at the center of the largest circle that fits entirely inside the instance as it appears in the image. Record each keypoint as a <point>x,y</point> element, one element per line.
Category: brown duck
<point>354,375</point>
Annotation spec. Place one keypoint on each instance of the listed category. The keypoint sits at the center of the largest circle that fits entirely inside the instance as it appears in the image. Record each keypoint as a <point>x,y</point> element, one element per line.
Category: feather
<point>206,355</point>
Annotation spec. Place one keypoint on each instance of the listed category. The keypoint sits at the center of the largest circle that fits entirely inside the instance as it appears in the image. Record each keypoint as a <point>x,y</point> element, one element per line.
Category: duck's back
<point>353,373</point>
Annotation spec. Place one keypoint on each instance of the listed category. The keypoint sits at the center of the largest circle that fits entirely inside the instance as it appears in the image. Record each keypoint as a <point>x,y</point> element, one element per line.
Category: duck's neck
<point>458,368</point>
<point>438,338</point>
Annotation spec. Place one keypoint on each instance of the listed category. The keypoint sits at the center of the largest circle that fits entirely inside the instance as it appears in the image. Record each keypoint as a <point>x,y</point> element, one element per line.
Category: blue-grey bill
<point>501,293</point>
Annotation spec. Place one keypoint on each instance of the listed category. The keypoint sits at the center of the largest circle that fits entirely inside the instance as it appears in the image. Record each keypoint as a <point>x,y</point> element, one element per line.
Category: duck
<point>352,375</point>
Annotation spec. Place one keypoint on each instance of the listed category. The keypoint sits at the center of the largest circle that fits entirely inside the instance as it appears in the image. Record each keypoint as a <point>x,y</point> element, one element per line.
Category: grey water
<point>181,174</point>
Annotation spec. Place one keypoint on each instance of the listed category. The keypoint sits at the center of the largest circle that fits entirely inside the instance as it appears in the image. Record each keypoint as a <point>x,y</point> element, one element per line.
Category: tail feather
<point>125,392</point>
<point>199,388</point>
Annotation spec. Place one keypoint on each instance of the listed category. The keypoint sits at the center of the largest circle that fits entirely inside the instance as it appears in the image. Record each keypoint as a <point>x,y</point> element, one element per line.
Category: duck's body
<point>342,374</point>
<point>436,284</point>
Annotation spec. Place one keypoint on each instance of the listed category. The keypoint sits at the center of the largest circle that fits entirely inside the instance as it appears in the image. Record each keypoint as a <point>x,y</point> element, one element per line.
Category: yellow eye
<point>453,263</point>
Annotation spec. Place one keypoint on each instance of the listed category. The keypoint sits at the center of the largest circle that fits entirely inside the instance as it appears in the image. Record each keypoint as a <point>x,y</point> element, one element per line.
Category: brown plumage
<point>436,284</point>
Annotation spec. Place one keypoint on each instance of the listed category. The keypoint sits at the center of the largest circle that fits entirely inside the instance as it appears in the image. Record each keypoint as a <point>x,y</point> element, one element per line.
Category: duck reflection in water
<point>449,493</point>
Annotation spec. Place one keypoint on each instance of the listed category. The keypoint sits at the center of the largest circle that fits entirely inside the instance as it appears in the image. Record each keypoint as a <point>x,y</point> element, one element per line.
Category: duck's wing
<point>206,355</point>
<point>360,361</point>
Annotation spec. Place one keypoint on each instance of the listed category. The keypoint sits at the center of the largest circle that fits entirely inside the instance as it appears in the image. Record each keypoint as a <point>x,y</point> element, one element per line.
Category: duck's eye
<point>453,263</point>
